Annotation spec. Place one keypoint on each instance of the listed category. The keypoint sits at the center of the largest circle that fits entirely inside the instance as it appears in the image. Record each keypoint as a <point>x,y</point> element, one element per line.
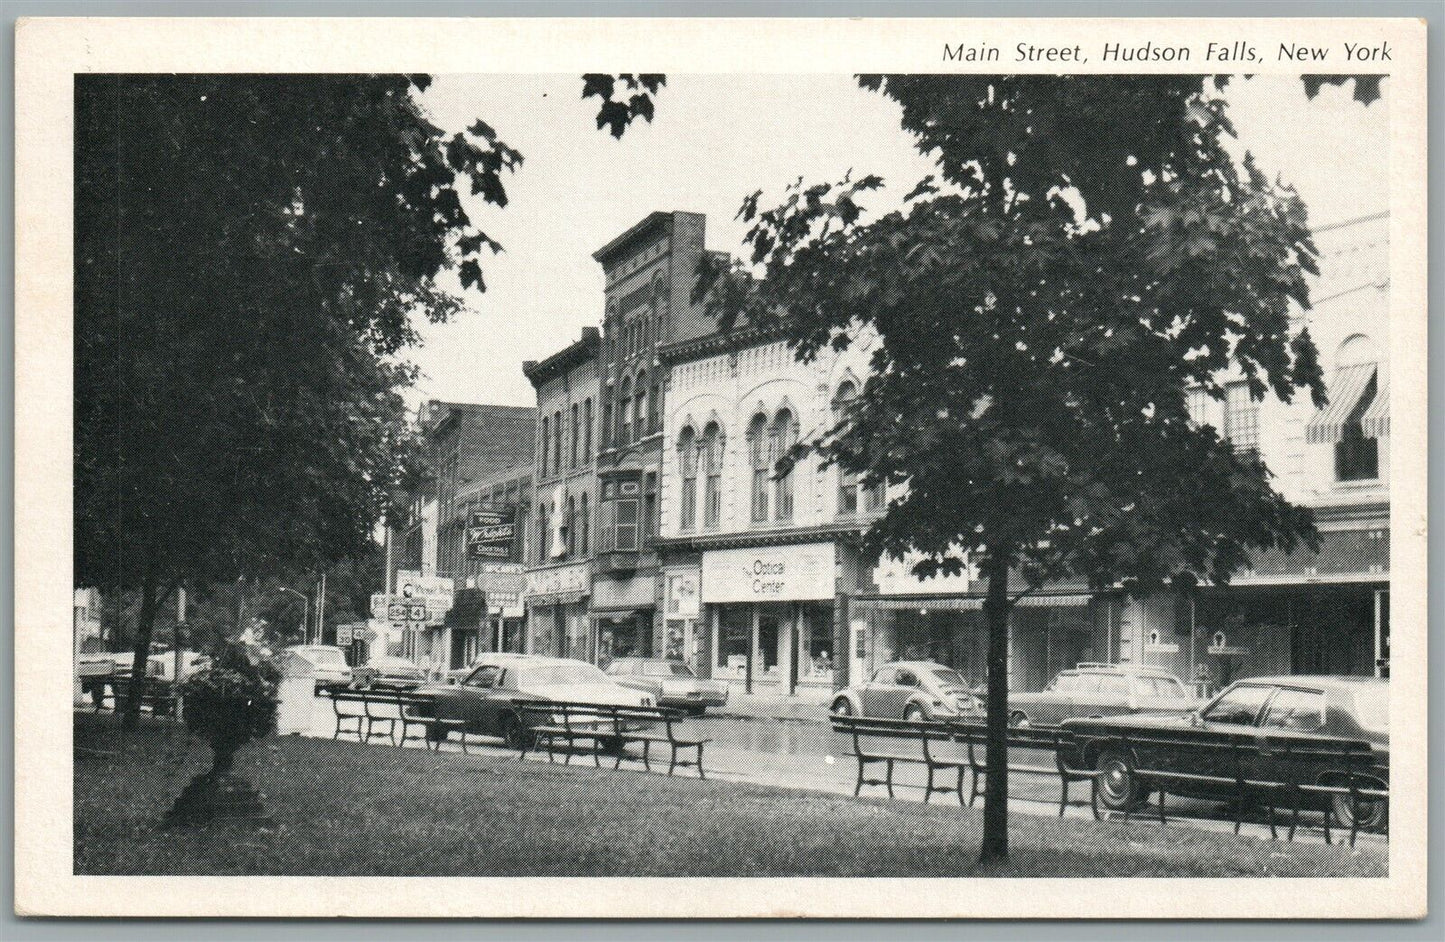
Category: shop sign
<point>1220,645</point>
<point>503,579</point>
<point>682,593</point>
<point>895,577</point>
<point>769,574</point>
<point>638,592</point>
<point>435,592</point>
<point>379,603</point>
<point>560,580</point>
<point>490,532</point>
<point>1155,646</point>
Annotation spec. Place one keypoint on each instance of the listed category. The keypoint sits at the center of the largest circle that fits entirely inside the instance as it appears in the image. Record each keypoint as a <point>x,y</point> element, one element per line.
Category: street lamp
<point>305,625</point>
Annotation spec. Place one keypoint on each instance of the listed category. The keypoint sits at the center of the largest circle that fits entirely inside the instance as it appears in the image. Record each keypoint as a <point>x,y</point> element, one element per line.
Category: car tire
<point>841,707</point>
<point>914,713</point>
<point>1019,719</point>
<point>1374,815</point>
<point>1119,785</point>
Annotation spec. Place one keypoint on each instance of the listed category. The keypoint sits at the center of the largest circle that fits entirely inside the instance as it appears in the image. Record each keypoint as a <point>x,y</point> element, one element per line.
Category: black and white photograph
<point>967,471</point>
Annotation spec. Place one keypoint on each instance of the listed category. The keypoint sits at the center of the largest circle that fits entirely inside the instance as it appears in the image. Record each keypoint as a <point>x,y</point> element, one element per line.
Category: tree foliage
<point>1088,252</point>
<point>250,254</point>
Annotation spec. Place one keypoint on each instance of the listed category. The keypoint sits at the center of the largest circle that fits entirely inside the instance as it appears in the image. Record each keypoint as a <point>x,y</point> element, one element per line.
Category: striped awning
<point>1345,387</point>
<point>968,603</point>
<point>1376,420</point>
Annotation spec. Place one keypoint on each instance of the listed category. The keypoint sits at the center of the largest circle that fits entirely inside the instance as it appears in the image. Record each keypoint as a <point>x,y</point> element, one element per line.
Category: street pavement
<point>808,754</point>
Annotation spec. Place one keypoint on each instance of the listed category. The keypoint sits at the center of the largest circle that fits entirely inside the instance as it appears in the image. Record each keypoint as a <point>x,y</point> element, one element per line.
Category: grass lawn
<point>348,809</point>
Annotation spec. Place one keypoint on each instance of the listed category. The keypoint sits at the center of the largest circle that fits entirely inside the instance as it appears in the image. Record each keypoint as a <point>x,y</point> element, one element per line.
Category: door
<point>1233,713</point>
<point>1291,711</point>
<point>873,691</point>
<point>888,698</point>
<point>1057,702</point>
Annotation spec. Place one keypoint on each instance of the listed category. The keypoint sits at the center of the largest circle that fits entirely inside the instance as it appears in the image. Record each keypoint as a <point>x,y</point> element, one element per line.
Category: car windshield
<point>560,674</point>
<point>325,658</point>
<point>949,678</point>
<point>1372,708</point>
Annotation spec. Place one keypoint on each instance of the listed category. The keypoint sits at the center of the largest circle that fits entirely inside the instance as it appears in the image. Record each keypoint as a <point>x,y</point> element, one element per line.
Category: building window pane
<point>576,433</point>
<point>784,436</point>
<point>626,524</point>
<point>587,431</point>
<point>649,508</point>
<point>847,481</point>
<point>652,410</point>
<point>687,461</point>
<point>1241,418</point>
<point>584,526</point>
<point>713,454</point>
<point>1357,458</point>
<point>546,437</point>
<point>758,455</point>
<point>640,407</point>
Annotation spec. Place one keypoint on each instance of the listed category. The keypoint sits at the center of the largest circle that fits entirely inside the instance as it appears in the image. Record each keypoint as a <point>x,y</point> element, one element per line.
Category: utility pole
<point>321,610</point>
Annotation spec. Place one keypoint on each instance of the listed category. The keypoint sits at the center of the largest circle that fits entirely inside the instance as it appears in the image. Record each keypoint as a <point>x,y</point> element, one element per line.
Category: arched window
<point>687,466</point>
<point>759,454</point>
<point>542,532</point>
<point>568,521</point>
<point>546,439</point>
<point>639,418</point>
<point>557,441</point>
<point>783,437</point>
<point>847,481</point>
<point>587,430</point>
<point>654,406</point>
<point>624,412</point>
<point>576,441</point>
<point>584,526</point>
<point>712,449</point>
<point>604,435</point>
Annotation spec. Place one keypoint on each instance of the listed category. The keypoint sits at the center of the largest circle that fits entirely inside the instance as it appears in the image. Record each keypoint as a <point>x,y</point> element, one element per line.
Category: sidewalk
<point>754,707</point>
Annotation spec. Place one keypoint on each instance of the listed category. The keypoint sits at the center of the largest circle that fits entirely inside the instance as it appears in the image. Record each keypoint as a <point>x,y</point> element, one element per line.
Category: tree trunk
<point>995,788</point>
<point>150,603</point>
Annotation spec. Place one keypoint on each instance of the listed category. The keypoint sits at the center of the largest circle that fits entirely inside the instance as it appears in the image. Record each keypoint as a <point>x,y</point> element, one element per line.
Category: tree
<point>249,253</point>
<point>1090,252</point>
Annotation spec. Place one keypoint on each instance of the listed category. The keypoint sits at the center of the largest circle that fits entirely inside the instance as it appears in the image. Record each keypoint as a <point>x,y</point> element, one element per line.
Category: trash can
<point>297,696</point>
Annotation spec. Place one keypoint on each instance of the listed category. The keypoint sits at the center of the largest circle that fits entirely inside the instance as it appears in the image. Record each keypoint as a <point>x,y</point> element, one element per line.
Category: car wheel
<point>914,713</point>
<point>1373,814</point>
<point>1119,788</point>
<point>841,707</point>
<point>1019,719</point>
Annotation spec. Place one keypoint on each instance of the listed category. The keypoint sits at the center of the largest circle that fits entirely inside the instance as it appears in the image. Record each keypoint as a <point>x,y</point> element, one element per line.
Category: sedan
<point>671,683</point>
<point>391,673</point>
<point>486,699</point>
<point>910,690</point>
<point>325,663</point>
<point>1307,708</point>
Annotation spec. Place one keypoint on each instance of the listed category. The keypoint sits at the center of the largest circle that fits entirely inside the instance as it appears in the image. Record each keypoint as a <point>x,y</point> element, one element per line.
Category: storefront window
<point>734,640</point>
<point>816,659</point>
<point>769,624</point>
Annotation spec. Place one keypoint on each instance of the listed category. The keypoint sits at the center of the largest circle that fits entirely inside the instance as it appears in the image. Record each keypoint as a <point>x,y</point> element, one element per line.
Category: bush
<point>233,701</point>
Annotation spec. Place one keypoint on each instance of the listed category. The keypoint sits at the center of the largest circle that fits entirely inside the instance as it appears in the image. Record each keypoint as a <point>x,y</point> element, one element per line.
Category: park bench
<point>559,724</point>
<point>156,694</point>
<point>1248,768</point>
<point>880,741</point>
<point>930,735</point>
<point>384,713</point>
<point>1058,744</point>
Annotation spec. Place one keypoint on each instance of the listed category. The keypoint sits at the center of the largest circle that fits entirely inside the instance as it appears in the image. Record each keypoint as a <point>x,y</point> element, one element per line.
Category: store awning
<point>968,603</point>
<point>1346,387</point>
<point>1376,420</point>
<point>555,598</point>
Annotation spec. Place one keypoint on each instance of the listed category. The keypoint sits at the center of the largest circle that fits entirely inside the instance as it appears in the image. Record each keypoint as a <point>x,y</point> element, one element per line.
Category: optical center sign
<point>769,574</point>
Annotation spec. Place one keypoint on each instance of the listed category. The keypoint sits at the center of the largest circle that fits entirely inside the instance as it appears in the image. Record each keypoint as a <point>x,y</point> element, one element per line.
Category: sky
<point>716,139</point>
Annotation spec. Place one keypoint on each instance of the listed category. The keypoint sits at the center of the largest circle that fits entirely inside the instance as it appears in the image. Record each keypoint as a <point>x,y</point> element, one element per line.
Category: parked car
<point>485,699</point>
<point>326,663</point>
<point>1352,708</point>
<point>163,666</point>
<point>1101,690</point>
<point>457,675</point>
<point>671,683</point>
<point>393,673</point>
<point>910,690</point>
